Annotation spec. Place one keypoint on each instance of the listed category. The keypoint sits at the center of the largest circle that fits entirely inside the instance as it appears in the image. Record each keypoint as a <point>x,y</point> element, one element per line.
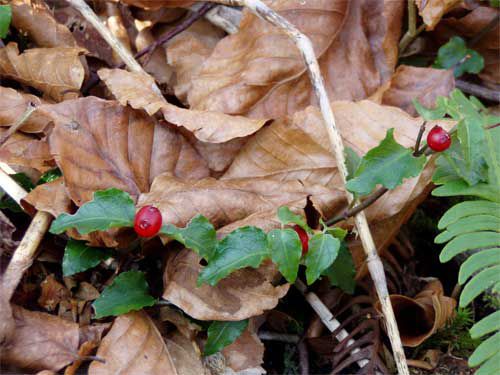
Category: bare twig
<point>11,187</point>
<point>305,46</point>
<point>412,18</point>
<point>281,337</point>
<point>17,125</point>
<point>407,38</point>
<point>303,357</point>
<point>477,90</point>
<point>417,151</point>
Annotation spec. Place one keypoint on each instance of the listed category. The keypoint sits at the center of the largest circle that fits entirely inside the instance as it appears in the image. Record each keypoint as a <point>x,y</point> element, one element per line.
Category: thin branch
<point>281,337</point>
<point>305,46</point>
<point>407,39</point>
<point>17,125</point>
<point>412,18</point>
<point>303,357</point>
<point>417,151</point>
<point>477,90</point>
<point>11,187</point>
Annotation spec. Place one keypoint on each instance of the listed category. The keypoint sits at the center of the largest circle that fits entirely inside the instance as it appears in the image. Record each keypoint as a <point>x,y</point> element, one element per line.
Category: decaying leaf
<point>420,317</point>
<point>246,353</point>
<point>138,91</point>
<point>33,18</point>
<point>50,197</point>
<point>116,147</point>
<point>154,4</point>
<point>185,355</point>
<point>432,11</point>
<point>52,293</point>
<point>133,345</point>
<point>58,71</point>
<point>41,341</point>
<point>245,293</point>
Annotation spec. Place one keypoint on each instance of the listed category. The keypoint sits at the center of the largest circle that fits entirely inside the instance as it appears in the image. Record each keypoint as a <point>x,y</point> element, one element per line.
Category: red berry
<point>147,222</point>
<point>438,139</point>
<point>304,238</point>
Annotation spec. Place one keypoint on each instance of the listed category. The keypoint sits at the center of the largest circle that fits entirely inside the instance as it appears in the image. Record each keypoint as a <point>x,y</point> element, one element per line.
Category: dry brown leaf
<point>432,11</point>
<point>138,90</point>
<point>53,292</point>
<point>226,201</point>
<point>243,294</point>
<point>41,341</point>
<point>422,84</point>
<point>246,66</point>
<point>50,197</point>
<point>99,144</point>
<point>58,71</point>
<point>359,59</point>
<point>35,19</point>
<point>155,4</point>
<point>7,229</point>
<point>133,346</point>
<point>13,104</point>
<point>86,292</point>
<point>246,353</point>
<point>420,317</point>
<point>114,22</point>
<point>85,349</point>
<point>185,355</point>
<point>185,326</point>
<point>27,151</point>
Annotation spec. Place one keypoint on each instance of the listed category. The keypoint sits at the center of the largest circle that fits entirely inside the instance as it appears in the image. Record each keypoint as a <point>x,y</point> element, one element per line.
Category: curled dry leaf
<point>420,317</point>
<point>52,293</point>
<point>50,197</point>
<point>7,229</point>
<point>27,151</point>
<point>35,19</point>
<point>359,57</point>
<point>13,104</point>
<point>58,71</point>
<point>133,346</point>
<point>246,353</point>
<point>432,11</point>
<point>185,326</point>
<point>116,147</point>
<point>41,341</point>
<point>138,90</point>
<point>243,294</point>
<point>422,84</point>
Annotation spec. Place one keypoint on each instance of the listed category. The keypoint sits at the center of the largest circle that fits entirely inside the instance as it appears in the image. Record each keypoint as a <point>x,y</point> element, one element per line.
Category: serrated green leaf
<point>469,241</point>
<point>79,257</point>
<point>469,224</point>
<point>129,291</point>
<point>469,208</point>
<point>455,54</point>
<point>486,325</point>
<point>478,261</point>
<point>110,208</point>
<point>387,164</point>
<point>244,247</point>
<point>479,283</point>
<point>286,216</point>
<point>198,235</point>
<point>341,273</point>
<point>352,160</point>
<point>484,351</point>
<point>286,250</point>
<point>323,250</point>
<point>5,19</point>
<point>222,334</point>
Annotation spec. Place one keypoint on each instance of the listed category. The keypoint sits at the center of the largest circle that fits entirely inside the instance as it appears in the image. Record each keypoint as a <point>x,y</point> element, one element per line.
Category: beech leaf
<point>286,251</point>
<point>323,250</point>
<point>244,247</point>
<point>79,257</point>
<point>109,209</point>
<point>129,291</point>
<point>221,334</point>
<point>387,164</point>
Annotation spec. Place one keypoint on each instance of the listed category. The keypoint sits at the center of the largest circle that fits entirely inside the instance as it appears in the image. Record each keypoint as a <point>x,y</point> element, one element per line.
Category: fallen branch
<point>304,45</point>
<point>281,337</point>
<point>477,90</point>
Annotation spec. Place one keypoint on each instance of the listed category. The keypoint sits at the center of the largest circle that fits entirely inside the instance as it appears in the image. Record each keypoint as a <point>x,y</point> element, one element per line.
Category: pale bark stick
<point>11,187</point>
<point>304,45</point>
<point>373,260</point>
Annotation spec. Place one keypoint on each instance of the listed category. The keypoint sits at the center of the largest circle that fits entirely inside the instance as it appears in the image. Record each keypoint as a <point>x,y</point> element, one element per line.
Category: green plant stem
<point>407,38</point>
<point>412,18</point>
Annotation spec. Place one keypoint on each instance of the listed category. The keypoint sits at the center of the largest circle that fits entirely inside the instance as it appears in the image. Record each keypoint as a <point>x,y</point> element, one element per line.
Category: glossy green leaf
<point>387,164</point>
<point>244,247</point>
<point>199,235</point>
<point>486,325</point>
<point>129,291</point>
<point>352,160</point>
<point>5,19</point>
<point>286,250</point>
<point>479,284</point>
<point>222,334</point>
<point>323,250</point>
<point>49,176</point>
<point>468,208</point>
<point>486,350</point>
<point>110,208</point>
<point>455,54</point>
<point>342,272</point>
<point>286,216</point>
<point>337,232</point>
<point>469,241</point>
<point>79,257</point>
<point>469,224</point>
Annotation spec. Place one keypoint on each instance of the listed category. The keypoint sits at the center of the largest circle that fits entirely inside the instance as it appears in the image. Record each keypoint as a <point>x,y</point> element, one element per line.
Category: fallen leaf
<point>58,71</point>
<point>14,103</point>
<point>155,4</point>
<point>234,79</point>
<point>114,22</point>
<point>116,147</point>
<point>53,292</point>
<point>243,294</point>
<point>138,90</point>
<point>185,355</point>
<point>133,346</point>
<point>27,151</point>
<point>356,60</point>
<point>50,197</point>
<point>185,326</point>
<point>35,19</point>
<point>420,317</point>
<point>41,341</point>
<point>423,84</point>
<point>432,11</point>
<point>85,349</point>
<point>7,229</point>
<point>246,353</point>
<point>87,292</point>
